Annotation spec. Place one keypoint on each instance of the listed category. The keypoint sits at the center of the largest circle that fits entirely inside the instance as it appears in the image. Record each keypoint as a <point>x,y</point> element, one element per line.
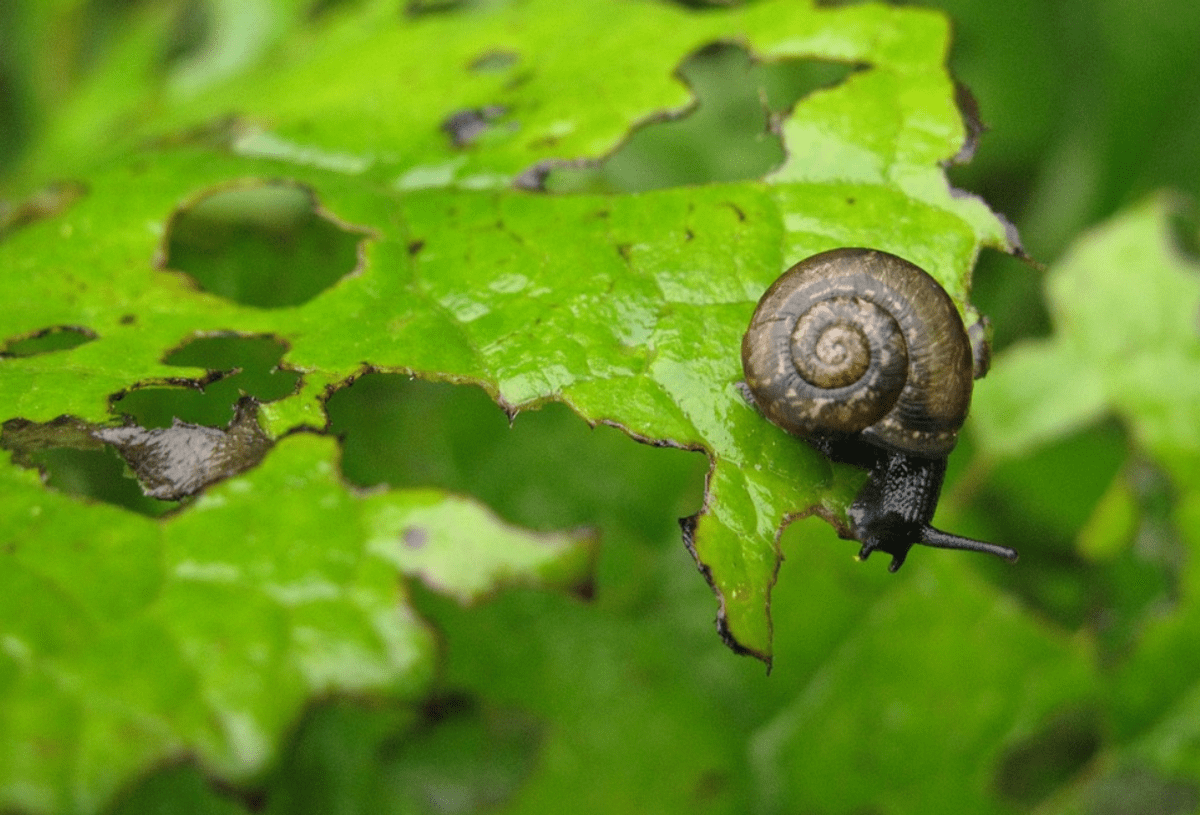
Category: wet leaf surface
<point>430,260</point>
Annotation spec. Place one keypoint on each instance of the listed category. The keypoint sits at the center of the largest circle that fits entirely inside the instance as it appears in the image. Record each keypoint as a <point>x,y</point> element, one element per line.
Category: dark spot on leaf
<point>535,177</point>
<point>851,201</point>
<point>51,200</point>
<point>1048,760</point>
<point>741,215</point>
<point>236,366</point>
<point>415,247</point>
<point>494,61</point>
<point>729,133</point>
<point>261,244</point>
<point>128,319</point>
<point>466,126</point>
<point>689,235</point>
<point>625,250</point>
<point>47,340</point>
<point>414,537</point>
<point>181,460</point>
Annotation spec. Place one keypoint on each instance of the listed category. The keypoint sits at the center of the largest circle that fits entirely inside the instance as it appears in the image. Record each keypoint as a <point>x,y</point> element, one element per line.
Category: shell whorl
<point>858,340</point>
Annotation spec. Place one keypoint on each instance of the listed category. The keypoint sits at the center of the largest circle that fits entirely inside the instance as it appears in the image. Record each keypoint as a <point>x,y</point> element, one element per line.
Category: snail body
<point>864,354</point>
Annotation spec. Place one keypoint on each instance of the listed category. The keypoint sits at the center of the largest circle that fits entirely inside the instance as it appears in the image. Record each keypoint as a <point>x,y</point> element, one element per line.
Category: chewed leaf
<point>275,586</point>
<point>386,230</point>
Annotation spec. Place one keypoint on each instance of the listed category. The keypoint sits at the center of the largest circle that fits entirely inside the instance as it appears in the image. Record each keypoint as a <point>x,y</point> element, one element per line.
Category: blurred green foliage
<point>628,703</point>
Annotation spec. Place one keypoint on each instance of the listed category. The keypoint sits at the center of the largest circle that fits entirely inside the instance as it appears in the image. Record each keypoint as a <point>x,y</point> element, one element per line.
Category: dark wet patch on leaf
<point>181,460</point>
<point>1048,760</point>
<point>261,244</point>
<point>494,61</point>
<point>47,340</point>
<point>238,366</point>
<point>730,132</point>
<point>169,463</point>
<point>51,200</point>
<point>71,460</point>
<point>466,127</point>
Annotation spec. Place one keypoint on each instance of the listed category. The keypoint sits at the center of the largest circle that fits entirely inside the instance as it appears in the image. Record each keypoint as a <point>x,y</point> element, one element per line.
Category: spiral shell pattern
<point>858,340</point>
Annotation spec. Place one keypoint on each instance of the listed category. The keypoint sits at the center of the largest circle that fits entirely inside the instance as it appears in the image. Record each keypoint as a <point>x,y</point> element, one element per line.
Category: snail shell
<point>865,355</point>
<point>861,341</point>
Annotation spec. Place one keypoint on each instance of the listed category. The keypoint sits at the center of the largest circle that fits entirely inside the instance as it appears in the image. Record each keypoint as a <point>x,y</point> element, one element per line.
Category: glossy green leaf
<point>628,308</point>
<point>130,640</point>
<point>392,161</point>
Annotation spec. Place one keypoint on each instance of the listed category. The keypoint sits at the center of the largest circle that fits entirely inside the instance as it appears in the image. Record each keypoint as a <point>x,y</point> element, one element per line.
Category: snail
<point>864,354</point>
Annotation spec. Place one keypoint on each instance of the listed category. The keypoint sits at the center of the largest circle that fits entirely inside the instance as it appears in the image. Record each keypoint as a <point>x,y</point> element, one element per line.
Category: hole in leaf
<point>249,366</point>
<point>728,134</point>
<point>100,475</point>
<point>48,340</point>
<point>549,470</point>
<point>266,245</point>
<point>1046,761</point>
